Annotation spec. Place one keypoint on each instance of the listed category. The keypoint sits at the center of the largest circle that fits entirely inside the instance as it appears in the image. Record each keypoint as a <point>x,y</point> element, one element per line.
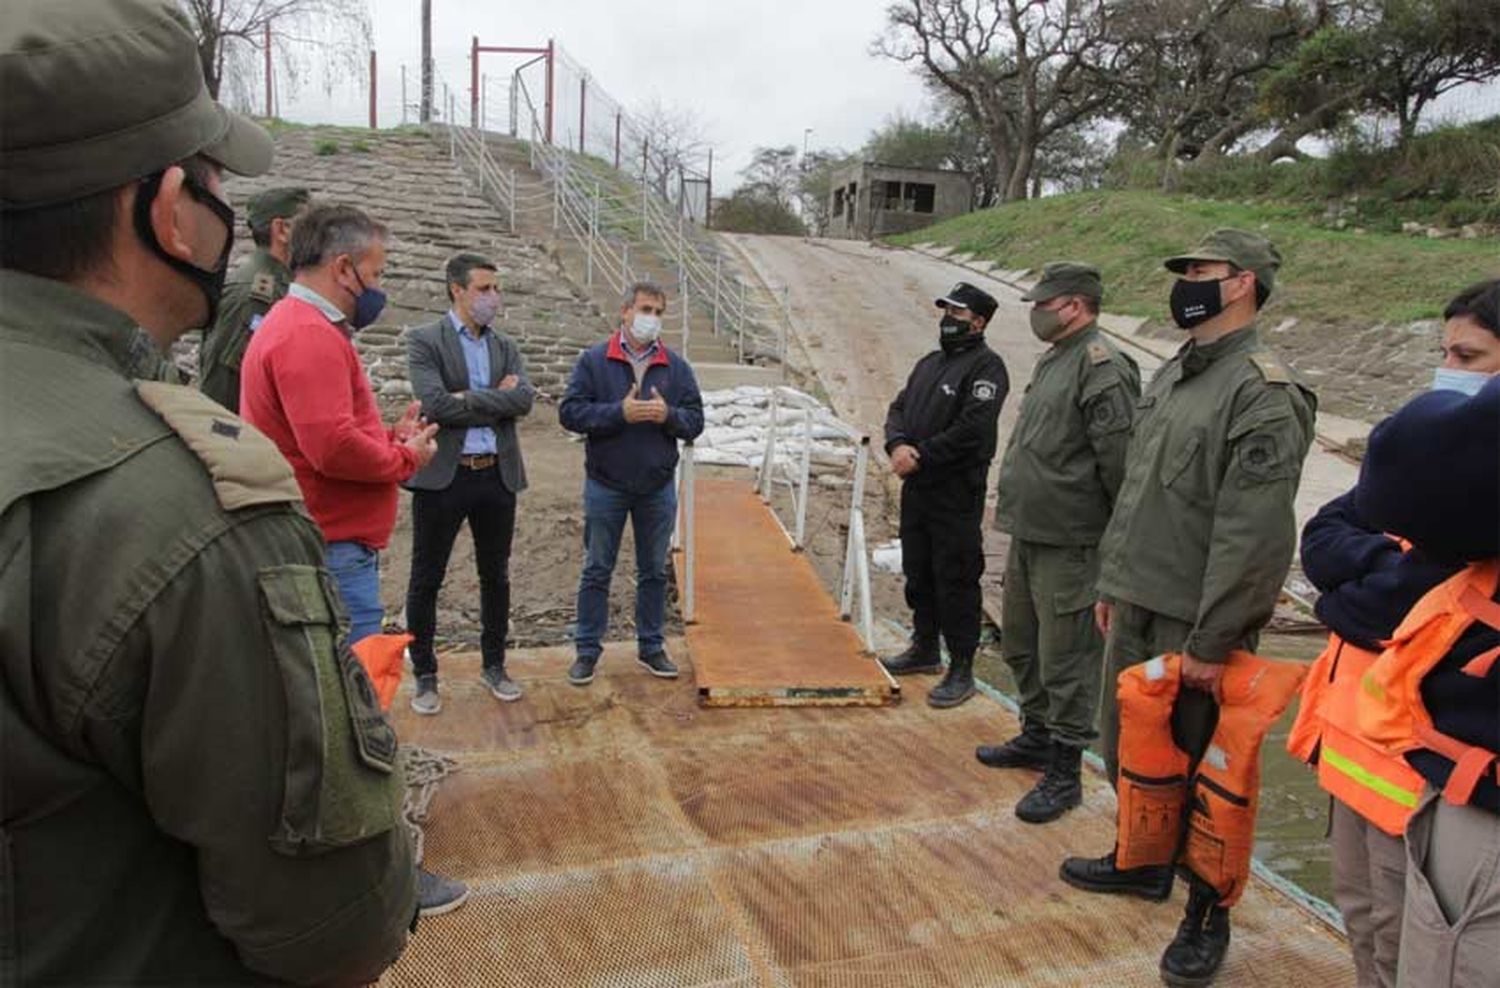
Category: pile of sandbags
<point>736,421</point>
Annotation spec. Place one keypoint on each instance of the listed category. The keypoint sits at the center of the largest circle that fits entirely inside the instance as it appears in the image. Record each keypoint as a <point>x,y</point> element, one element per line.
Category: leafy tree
<point>910,143</point>
<point>747,210</point>
<point>815,185</point>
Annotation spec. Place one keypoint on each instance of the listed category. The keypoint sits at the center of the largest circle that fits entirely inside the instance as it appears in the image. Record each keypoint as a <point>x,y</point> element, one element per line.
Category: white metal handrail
<point>685,528</point>
<point>855,581</point>
<point>466,144</point>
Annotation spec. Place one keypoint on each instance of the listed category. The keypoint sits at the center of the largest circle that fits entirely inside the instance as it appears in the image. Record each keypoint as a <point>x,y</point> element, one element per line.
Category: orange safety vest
<point>1154,786</point>
<point>1371,781</point>
<point>1390,710</point>
<point>382,657</point>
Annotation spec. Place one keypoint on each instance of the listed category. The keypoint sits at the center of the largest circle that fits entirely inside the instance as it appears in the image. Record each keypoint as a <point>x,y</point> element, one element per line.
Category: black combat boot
<point>1032,748</point>
<point>919,656</point>
<point>1152,882</point>
<point>1195,953</point>
<point>1059,790</point>
<point>957,686</point>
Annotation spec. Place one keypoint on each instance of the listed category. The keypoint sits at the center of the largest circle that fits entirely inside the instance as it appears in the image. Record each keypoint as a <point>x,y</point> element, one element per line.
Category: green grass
<point>1326,275</point>
<point>325,148</point>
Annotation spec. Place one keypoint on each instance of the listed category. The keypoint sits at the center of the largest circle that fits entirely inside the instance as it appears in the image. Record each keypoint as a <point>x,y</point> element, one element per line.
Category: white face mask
<point>1448,379</point>
<point>646,327</point>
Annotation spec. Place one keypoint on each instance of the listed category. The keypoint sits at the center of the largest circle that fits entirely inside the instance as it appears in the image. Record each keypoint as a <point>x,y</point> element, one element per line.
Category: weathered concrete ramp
<point>620,835</point>
<point>766,633</point>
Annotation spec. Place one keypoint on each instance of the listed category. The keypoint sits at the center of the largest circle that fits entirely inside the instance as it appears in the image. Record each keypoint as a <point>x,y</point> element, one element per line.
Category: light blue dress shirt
<point>479,440</point>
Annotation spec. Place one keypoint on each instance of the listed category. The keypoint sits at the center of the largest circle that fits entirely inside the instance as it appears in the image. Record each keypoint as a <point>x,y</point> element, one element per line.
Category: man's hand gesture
<point>423,442</point>
<point>656,408</point>
<point>410,421</point>
<point>508,381</point>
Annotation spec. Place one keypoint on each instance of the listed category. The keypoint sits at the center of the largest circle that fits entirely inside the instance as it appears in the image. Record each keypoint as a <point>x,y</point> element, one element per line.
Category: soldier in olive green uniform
<point>1062,466</point>
<point>197,785</point>
<point>1203,530</point>
<point>253,287</point>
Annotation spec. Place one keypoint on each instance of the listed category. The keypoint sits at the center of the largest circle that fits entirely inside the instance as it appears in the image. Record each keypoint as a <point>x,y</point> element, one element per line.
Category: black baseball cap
<point>965,296</point>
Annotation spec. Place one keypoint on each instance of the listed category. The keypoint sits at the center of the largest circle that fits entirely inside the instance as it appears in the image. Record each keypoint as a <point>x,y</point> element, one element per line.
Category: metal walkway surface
<point>621,835</point>
<point>765,631</point>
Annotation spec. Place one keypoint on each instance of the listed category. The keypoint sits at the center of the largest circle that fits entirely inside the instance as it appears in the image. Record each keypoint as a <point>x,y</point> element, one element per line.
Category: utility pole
<point>425,115</point>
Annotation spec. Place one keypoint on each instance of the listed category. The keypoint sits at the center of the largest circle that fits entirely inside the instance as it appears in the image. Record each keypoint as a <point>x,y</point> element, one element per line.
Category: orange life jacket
<point>1154,786</point>
<point>1371,781</point>
<point>1390,711</point>
<point>382,656</point>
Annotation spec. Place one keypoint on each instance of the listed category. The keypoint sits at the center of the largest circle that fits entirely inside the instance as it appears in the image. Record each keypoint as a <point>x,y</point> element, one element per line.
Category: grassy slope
<point>1326,275</point>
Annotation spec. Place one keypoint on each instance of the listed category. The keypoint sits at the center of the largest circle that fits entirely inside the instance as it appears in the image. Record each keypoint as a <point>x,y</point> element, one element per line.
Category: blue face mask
<point>368,304</point>
<point>1469,382</point>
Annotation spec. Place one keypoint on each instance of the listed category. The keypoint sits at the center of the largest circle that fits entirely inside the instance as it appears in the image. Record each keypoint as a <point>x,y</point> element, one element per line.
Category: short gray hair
<point>636,289</point>
<point>325,232</point>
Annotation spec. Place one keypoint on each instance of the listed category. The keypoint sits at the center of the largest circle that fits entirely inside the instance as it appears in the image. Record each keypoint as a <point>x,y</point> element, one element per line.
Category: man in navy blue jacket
<point>633,399</point>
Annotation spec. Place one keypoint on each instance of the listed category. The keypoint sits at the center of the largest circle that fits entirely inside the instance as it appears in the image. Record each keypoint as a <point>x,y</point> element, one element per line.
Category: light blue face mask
<point>1469,382</point>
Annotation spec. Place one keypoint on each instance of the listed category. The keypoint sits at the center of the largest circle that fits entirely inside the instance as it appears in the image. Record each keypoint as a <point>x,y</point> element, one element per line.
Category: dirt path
<point>865,315</point>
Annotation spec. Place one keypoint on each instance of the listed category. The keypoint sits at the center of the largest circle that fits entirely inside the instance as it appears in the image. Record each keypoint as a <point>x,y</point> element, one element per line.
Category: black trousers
<point>478,497</point>
<point>942,558</point>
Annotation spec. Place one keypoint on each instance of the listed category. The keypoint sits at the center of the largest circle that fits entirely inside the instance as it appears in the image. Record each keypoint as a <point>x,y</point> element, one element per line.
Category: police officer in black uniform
<point>940,434</point>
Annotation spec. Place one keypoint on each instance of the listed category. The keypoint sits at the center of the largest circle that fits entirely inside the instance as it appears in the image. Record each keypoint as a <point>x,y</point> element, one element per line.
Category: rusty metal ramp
<point>620,835</point>
<point>765,631</point>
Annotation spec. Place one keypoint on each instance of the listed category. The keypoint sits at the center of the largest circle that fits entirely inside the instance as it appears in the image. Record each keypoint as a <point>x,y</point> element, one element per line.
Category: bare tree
<point>232,38</point>
<point>1023,70</point>
<point>670,143</point>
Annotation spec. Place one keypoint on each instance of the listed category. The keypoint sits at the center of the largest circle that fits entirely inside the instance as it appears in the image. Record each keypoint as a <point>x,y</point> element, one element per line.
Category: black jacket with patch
<point>950,411</point>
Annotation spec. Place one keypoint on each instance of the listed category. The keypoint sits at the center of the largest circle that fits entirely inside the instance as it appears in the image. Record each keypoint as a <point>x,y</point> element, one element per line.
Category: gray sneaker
<point>426,700</point>
<point>501,686</point>
<point>437,894</point>
<point>659,665</point>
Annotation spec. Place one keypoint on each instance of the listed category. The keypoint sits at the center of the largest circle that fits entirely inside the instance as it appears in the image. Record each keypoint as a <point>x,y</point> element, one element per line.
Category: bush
<point>325,147</point>
<point>746,213</point>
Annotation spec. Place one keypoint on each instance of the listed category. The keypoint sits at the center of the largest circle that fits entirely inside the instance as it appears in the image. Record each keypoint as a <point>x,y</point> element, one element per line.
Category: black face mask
<point>953,332</point>
<point>209,281</point>
<point>1195,302</point>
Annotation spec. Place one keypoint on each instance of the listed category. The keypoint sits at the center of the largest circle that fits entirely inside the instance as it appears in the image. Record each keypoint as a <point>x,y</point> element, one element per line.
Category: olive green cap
<point>1248,251</point>
<point>98,94</point>
<point>272,204</point>
<point>1066,278</point>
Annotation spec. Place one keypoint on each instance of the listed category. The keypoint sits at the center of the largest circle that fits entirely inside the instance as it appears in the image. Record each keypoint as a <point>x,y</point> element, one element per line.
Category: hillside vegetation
<point>1327,274</point>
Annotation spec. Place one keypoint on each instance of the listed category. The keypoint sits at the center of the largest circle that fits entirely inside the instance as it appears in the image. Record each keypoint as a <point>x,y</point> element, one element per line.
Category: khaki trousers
<point>1369,885</point>
<point>1450,931</point>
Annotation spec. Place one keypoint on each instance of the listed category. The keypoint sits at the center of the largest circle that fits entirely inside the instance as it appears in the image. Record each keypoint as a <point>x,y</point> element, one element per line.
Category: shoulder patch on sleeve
<point>246,467</point>
<point>263,287</point>
<point>1271,368</point>
<point>1098,353</point>
<point>985,390</point>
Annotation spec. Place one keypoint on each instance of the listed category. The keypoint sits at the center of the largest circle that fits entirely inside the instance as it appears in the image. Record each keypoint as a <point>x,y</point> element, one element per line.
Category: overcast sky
<point>757,73</point>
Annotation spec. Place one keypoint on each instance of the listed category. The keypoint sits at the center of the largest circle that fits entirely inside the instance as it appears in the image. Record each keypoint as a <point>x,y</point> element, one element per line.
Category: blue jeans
<point>652,517</point>
<point>356,570</point>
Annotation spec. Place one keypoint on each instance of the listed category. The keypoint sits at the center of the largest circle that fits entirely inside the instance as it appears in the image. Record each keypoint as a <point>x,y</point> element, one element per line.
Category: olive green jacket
<point>1203,528</point>
<point>1066,455</point>
<point>249,292</point>
<point>196,784</point>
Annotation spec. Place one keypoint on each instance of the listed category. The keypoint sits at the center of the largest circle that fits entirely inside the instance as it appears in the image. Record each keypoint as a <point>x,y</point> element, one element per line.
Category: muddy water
<point>1291,834</point>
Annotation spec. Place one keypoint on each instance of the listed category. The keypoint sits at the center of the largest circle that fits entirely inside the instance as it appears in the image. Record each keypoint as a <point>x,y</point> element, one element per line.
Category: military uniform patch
<point>1260,460</point>
<point>246,467</point>
<point>1271,368</point>
<point>984,390</point>
<point>263,287</point>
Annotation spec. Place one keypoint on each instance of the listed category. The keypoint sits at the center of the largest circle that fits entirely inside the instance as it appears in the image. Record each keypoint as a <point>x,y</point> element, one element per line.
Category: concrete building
<point>871,200</point>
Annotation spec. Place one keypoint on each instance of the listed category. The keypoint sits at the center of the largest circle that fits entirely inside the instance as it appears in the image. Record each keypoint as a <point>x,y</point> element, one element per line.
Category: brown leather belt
<point>482,461</point>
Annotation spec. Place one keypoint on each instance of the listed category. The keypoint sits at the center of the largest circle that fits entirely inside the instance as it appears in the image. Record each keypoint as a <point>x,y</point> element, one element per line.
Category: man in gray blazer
<point>472,382</point>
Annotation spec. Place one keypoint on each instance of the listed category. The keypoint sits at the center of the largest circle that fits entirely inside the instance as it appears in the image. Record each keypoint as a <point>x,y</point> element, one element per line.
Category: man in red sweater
<point>303,385</point>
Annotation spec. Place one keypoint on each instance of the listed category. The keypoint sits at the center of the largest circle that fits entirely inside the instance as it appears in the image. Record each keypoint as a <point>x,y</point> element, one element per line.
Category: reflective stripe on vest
<point>1376,784</point>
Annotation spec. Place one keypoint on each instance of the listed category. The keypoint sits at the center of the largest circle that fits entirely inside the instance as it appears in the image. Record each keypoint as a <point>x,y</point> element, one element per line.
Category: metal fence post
<point>718,262</point>
<point>588,277</point>
<point>625,261</point>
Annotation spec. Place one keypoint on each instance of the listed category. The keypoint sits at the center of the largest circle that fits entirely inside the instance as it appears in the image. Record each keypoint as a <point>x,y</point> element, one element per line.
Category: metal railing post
<point>556,201</point>
<point>805,481</point>
<point>687,328</point>
<point>689,545</point>
<point>512,200</point>
<point>625,261</point>
<point>718,262</point>
<point>588,276</point>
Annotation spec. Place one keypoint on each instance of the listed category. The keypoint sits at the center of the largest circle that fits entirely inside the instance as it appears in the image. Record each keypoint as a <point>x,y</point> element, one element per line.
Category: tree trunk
<point>208,57</point>
<point>1020,172</point>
